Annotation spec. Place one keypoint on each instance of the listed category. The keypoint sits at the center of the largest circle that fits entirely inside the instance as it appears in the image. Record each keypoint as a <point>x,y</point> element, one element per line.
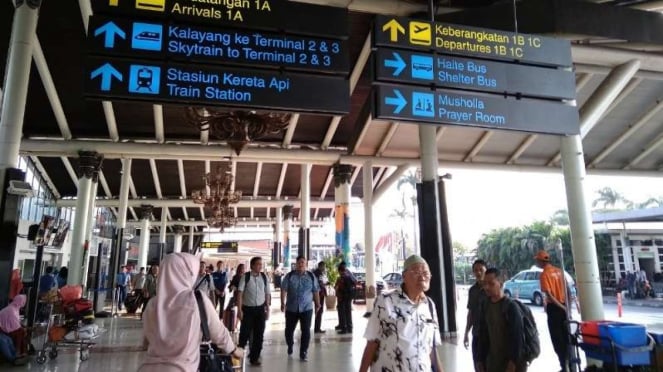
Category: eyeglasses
<point>424,274</point>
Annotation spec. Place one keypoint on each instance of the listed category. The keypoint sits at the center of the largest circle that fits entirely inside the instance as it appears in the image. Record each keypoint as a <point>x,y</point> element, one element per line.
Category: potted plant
<point>331,269</point>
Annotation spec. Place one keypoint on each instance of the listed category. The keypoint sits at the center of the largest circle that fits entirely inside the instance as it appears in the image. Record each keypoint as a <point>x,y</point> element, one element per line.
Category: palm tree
<point>651,202</point>
<point>609,198</point>
<point>403,214</point>
<point>411,178</point>
<point>560,218</point>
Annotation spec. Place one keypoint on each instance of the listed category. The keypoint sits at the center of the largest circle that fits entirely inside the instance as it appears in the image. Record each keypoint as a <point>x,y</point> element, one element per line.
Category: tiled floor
<point>118,349</point>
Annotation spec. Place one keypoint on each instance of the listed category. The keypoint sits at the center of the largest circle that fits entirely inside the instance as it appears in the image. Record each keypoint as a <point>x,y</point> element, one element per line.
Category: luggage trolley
<point>64,330</point>
<point>618,353</point>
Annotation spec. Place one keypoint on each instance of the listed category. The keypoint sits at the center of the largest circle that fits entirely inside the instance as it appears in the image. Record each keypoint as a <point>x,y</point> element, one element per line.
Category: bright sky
<point>483,200</point>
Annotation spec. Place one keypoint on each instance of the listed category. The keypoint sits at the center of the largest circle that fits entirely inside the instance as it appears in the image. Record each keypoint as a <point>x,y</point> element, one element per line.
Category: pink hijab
<point>173,320</point>
<point>9,317</point>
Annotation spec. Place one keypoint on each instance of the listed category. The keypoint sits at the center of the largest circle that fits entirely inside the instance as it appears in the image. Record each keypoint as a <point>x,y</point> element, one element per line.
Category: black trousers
<point>318,314</point>
<point>304,319</point>
<point>558,334</point>
<point>345,314</point>
<point>253,327</point>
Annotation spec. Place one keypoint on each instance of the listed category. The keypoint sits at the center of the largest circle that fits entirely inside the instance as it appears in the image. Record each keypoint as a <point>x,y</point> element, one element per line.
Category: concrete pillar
<point>582,235</point>
<point>162,232</point>
<point>287,225</point>
<point>305,228</point>
<point>278,236</point>
<point>144,245</point>
<point>89,229</point>
<point>88,169</point>
<point>190,242</point>
<point>179,230</point>
<point>122,212</point>
<point>431,232</point>
<point>342,195</point>
<point>15,89</point>
<point>369,247</point>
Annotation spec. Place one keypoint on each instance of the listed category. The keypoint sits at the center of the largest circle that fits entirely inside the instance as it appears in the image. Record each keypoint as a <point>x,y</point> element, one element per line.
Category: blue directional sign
<point>109,31</point>
<point>146,36</point>
<point>403,103</point>
<point>163,40</point>
<point>473,74</point>
<point>216,86</point>
<point>107,72</point>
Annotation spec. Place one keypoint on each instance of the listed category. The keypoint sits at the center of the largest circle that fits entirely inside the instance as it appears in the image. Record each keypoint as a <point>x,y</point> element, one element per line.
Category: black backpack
<point>247,277</point>
<point>531,345</point>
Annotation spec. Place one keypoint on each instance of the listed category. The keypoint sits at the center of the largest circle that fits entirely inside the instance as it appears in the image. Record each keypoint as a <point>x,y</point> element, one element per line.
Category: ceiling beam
<point>387,138</point>
<point>603,98</point>
<point>44,174</point>
<point>355,173</point>
<point>279,186</point>
<point>70,170</point>
<point>159,132</point>
<point>644,119</point>
<point>378,175</point>
<point>180,172</point>
<point>389,182</point>
<point>362,134</point>
<point>583,80</point>
<point>155,178</point>
<point>478,146</point>
<point>439,133</point>
<point>104,184</point>
<point>111,123</point>
<point>325,188</point>
<point>189,203</point>
<point>287,139</point>
<point>256,184</point>
<point>358,68</point>
<point>645,152</point>
<point>49,87</point>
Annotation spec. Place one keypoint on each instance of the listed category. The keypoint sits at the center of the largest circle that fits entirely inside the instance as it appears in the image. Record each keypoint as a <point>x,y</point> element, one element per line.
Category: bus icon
<point>422,67</point>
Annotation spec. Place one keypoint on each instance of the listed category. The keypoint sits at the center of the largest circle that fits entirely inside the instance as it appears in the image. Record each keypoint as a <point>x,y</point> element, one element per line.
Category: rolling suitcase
<point>230,318</point>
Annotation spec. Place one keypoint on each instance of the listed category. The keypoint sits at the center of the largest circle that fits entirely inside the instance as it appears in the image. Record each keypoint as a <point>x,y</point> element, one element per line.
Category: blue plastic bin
<point>623,334</point>
<point>624,357</point>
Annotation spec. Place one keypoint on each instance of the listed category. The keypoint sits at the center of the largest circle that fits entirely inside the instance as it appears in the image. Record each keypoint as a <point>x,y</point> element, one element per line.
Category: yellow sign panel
<point>155,5</point>
<point>421,33</point>
<point>113,2</point>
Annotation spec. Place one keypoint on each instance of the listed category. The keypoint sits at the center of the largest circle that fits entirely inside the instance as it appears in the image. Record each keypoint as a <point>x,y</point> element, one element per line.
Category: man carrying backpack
<point>300,288</point>
<point>554,287</point>
<point>253,300</point>
<point>501,341</point>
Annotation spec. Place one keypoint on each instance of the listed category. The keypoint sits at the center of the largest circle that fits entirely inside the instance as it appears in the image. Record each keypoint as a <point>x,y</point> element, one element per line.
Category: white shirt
<point>405,331</point>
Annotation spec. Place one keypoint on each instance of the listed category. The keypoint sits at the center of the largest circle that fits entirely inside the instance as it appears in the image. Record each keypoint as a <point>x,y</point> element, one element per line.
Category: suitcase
<point>230,318</point>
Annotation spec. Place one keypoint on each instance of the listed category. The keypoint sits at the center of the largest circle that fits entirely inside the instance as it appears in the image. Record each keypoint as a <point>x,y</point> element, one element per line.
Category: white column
<point>287,239</point>
<point>122,210</point>
<point>17,75</point>
<point>342,194</point>
<point>369,248</point>
<point>177,247</point>
<point>75,276</point>
<point>144,245</point>
<point>278,232</point>
<point>306,196</point>
<point>89,229</point>
<point>191,239</point>
<point>163,229</point>
<point>582,234</point>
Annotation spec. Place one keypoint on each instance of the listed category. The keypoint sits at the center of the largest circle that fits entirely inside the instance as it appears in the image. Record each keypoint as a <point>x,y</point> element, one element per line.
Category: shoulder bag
<point>210,361</point>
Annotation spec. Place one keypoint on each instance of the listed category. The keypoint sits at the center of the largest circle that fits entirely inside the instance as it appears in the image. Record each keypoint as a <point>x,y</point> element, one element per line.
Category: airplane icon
<point>421,33</point>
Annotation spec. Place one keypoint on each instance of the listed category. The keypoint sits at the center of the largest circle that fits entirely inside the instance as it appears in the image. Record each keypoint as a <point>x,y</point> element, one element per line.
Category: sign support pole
<point>17,76</point>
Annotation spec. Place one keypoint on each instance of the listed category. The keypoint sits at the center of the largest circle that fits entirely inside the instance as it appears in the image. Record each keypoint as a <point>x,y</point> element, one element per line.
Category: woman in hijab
<point>171,323</point>
<point>10,325</point>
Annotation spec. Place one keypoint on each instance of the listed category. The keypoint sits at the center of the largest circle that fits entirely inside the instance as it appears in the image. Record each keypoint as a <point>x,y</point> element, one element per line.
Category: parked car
<point>526,286</point>
<point>393,280</point>
<point>360,288</point>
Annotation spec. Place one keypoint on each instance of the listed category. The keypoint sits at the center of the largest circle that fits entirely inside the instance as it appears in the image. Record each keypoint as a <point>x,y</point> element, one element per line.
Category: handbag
<point>210,360</point>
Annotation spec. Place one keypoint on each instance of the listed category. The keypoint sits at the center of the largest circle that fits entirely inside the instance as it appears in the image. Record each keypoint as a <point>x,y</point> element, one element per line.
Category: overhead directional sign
<point>221,247</point>
<point>473,74</point>
<point>216,86</point>
<point>161,39</point>
<point>296,17</point>
<point>397,102</point>
<point>471,41</point>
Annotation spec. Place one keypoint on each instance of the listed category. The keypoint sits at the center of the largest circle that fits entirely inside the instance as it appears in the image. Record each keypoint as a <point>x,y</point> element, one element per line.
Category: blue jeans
<point>122,295</point>
<point>291,320</point>
<point>7,349</point>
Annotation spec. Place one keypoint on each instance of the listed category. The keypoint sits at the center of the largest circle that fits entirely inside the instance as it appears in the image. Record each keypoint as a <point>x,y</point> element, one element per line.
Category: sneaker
<point>289,350</point>
<point>303,356</point>
<point>319,331</point>
<point>256,362</point>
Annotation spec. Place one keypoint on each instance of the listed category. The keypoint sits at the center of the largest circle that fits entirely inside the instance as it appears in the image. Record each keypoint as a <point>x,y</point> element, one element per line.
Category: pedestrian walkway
<point>648,302</point>
<point>120,348</point>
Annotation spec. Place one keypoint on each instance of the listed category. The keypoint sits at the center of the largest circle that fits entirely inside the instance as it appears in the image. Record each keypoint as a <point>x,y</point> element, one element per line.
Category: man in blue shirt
<point>123,281</point>
<point>220,279</point>
<point>300,288</point>
<point>47,281</point>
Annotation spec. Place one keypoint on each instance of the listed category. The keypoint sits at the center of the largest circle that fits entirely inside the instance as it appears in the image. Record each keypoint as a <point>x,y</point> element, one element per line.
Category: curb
<point>652,303</point>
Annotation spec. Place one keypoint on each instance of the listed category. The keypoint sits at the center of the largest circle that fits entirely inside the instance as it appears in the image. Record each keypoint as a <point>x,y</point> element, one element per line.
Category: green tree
<point>609,198</point>
<point>651,202</point>
<point>560,218</point>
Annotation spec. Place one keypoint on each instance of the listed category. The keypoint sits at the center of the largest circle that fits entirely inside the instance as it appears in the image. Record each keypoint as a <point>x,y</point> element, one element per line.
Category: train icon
<point>144,79</point>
